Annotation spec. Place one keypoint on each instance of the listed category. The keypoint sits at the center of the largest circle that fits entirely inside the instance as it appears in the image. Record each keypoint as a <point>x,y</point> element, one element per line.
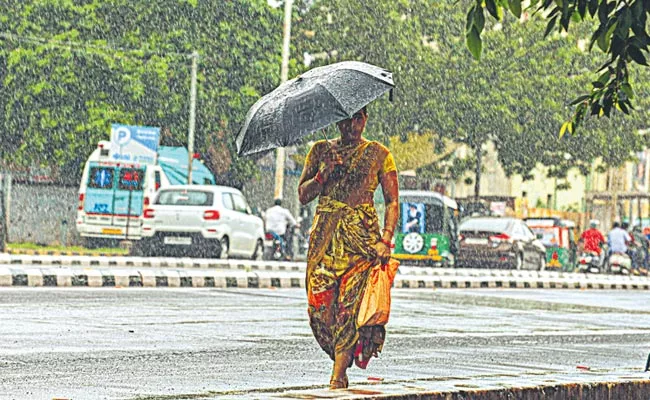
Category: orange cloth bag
<point>375,304</point>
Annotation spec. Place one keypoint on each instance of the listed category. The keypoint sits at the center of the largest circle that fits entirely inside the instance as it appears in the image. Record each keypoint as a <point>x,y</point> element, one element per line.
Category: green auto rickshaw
<point>559,237</point>
<point>427,231</point>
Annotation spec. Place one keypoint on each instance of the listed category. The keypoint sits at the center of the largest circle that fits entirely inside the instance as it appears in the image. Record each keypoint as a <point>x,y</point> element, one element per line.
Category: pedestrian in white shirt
<point>277,219</point>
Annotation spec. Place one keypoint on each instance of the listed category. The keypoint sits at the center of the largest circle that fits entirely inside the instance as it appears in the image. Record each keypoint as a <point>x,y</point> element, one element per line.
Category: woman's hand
<point>331,159</point>
<point>383,251</point>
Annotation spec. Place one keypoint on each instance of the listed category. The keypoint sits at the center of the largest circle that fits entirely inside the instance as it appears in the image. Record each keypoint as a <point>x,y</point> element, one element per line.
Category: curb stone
<point>68,276</point>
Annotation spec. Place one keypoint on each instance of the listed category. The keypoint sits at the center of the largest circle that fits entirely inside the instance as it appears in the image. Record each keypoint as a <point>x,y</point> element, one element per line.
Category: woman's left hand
<point>383,252</point>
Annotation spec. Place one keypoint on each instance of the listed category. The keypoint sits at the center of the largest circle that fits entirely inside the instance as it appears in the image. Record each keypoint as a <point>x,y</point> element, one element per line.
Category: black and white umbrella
<point>310,102</point>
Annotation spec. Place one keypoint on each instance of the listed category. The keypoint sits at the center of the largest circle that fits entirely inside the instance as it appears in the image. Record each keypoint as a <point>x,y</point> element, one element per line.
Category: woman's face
<point>352,128</point>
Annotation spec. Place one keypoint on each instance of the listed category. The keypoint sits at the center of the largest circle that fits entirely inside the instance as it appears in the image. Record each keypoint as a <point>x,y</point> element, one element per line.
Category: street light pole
<point>190,136</point>
<point>284,76</point>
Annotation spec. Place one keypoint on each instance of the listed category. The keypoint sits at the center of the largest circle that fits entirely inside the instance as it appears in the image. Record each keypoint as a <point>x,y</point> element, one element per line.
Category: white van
<point>113,195</point>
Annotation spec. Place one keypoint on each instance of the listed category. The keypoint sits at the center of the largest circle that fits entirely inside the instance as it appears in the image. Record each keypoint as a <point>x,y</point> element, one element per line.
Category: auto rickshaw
<point>558,236</point>
<point>427,231</point>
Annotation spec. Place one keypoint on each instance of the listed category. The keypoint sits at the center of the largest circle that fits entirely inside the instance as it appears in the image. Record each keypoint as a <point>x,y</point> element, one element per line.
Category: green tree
<point>513,97</point>
<point>72,68</point>
<point>621,32</point>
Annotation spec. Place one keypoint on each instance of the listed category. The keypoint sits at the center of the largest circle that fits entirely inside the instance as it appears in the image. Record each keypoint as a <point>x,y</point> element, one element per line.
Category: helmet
<point>594,223</point>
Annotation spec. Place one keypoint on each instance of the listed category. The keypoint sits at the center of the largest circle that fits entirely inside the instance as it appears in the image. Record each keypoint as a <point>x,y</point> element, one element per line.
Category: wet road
<point>173,343</point>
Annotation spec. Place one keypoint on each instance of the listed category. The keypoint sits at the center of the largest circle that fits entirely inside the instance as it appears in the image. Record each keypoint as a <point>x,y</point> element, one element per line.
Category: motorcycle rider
<point>618,239</point>
<point>592,240</point>
<point>642,249</point>
<point>277,219</point>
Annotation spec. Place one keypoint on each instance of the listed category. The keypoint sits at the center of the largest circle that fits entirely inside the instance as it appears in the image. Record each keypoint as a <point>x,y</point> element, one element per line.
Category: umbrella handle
<point>338,169</point>
<point>326,139</point>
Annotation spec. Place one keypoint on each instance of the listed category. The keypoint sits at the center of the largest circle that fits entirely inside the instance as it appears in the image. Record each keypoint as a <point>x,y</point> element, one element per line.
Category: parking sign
<point>134,144</point>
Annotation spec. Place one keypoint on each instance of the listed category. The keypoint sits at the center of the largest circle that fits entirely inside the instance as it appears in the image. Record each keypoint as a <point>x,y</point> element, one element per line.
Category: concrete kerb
<point>233,278</point>
<point>587,388</point>
<point>151,272</point>
<point>157,262</point>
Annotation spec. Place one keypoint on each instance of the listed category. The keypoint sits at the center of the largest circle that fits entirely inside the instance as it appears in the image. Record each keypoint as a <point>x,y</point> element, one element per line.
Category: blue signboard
<point>134,144</point>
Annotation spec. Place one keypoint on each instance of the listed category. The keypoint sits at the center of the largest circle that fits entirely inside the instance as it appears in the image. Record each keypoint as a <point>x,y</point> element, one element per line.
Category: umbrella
<point>310,102</point>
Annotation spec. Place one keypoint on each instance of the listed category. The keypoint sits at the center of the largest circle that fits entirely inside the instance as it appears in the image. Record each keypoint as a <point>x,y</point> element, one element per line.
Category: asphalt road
<point>186,343</point>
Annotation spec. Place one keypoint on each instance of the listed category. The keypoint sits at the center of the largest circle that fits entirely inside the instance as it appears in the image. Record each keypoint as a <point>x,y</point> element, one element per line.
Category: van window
<point>184,198</point>
<point>131,179</point>
<point>156,178</point>
<point>101,178</point>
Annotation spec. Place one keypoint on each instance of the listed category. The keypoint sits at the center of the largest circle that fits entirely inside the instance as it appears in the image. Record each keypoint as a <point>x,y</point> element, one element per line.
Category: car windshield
<point>184,198</point>
<point>485,225</point>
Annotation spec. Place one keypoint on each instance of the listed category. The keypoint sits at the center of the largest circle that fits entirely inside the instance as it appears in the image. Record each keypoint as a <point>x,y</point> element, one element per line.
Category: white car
<point>201,220</point>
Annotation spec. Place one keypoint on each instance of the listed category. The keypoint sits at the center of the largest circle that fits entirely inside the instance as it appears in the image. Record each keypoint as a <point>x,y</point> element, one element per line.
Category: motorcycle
<point>273,247</point>
<point>589,262</point>
<point>619,263</point>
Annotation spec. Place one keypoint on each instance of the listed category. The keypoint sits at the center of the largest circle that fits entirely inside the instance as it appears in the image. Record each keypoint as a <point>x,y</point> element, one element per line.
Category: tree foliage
<point>70,69</point>
<point>513,97</point>
<point>621,32</point>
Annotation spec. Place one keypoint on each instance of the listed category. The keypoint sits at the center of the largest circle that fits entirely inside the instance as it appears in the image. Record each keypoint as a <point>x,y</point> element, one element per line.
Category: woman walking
<point>346,240</point>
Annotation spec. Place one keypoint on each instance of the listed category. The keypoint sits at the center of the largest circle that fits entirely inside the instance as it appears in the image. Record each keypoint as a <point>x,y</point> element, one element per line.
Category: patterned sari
<point>341,251</point>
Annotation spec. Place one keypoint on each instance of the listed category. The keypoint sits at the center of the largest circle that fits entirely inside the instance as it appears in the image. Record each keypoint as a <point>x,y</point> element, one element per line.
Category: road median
<point>251,275</point>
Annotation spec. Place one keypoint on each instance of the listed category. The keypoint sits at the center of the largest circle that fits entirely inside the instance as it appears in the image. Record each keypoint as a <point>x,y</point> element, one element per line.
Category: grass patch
<point>74,249</point>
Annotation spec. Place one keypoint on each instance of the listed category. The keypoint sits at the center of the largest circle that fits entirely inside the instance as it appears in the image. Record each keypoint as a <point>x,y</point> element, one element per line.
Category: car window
<point>485,225</point>
<point>523,231</point>
<point>528,232</point>
<point>517,231</point>
<point>239,203</point>
<point>184,198</point>
<point>227,201</point>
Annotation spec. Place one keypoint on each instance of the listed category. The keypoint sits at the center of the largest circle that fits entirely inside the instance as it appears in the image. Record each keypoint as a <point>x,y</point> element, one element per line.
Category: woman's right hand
<point>331,158</point>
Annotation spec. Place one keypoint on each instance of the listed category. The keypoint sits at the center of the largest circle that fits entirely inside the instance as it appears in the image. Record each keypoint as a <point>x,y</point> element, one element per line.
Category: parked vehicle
<point>558,236</point>
<point>113,195</point>
<point>590,262</point>
<point>494,242</point>
<point>619,263</point>
<point>201,220</point>
<point>427,231</point>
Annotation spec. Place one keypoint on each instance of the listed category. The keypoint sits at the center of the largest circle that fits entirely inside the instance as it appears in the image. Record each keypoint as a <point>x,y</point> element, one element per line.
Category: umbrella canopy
<point>310,102</point>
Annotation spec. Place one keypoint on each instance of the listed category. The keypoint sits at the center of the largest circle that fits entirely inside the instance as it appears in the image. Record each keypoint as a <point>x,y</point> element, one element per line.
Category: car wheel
<point>519,263</point>
<point>542,263</point>
<point>259,250</point>
<point>223,251</point>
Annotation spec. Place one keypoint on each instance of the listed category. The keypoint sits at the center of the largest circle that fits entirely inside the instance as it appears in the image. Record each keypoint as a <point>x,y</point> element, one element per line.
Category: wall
<point>43,214</point>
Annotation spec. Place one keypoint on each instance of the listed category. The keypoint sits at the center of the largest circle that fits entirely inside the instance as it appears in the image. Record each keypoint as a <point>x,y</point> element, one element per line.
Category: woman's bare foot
<point>339,383</point>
